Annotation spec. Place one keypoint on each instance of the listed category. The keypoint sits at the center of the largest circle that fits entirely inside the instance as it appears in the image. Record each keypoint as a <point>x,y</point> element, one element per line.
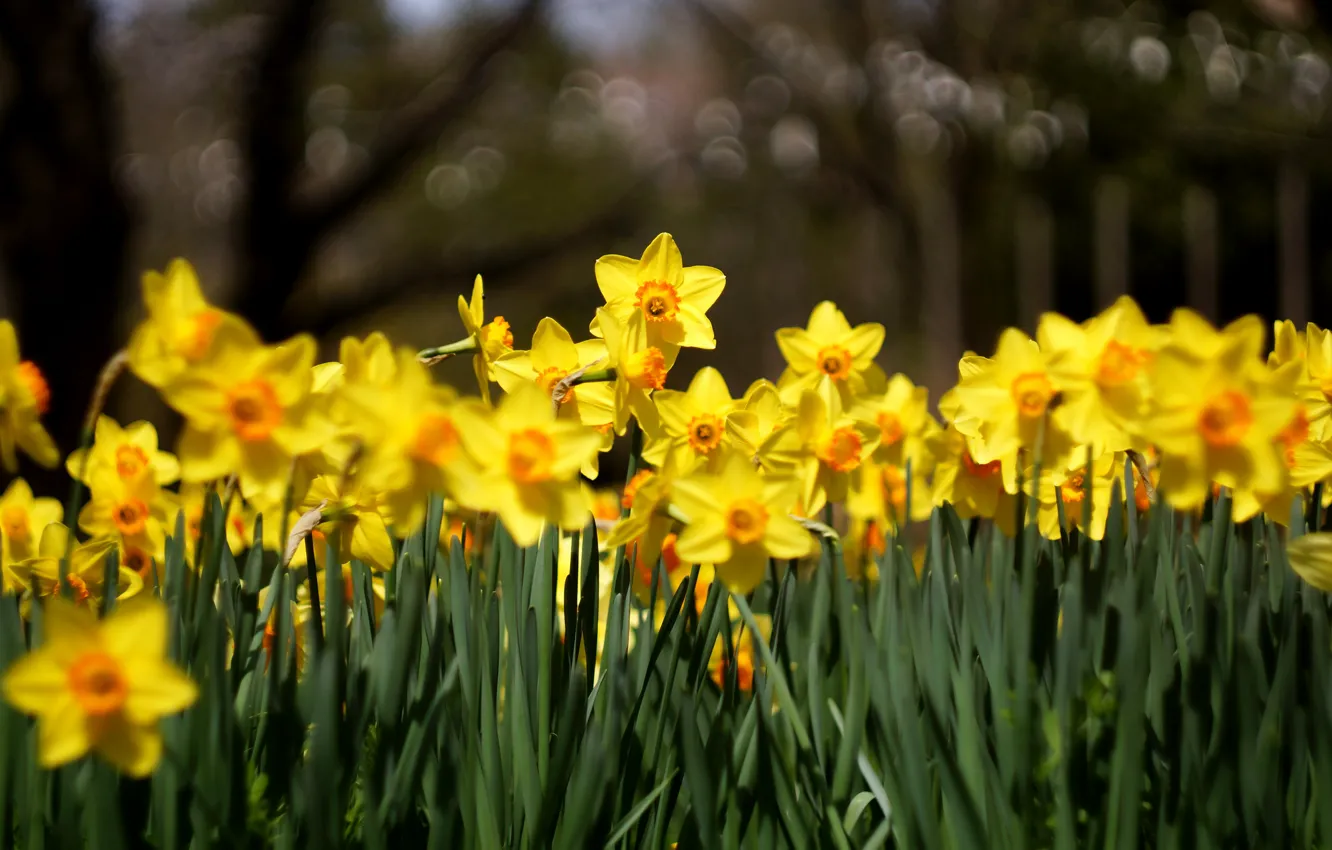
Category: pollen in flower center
<point>1118,364</point>
<point>131,516</point>
<point>34,382</point>
<point>1225,419</point>
<point>1032,393</point>
<point>15,522</point>
<point>130,461</point>
<point>98,684</point>
<point>746,521</point>
<point>834,361</point>
<point>705,432</point>
<point>840,449</point>
<point>658,300</point>
<point>1072,490</point>
<point>436,439</point>
<point>531,456</point>
<point>254,408</point>
<point>548,378</point>
<point>646,369</point>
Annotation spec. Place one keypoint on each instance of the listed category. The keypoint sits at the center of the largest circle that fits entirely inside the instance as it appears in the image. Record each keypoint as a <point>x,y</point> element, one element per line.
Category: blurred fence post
<point>1200,250</point>
<point>1111,217</point>
<point>1034,261</point>
<point>1292,203</point>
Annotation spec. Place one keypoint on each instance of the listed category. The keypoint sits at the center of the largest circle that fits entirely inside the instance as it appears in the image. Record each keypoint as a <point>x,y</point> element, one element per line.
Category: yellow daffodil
<point>1307,462</point>
<point>249,412</point>
<point>529,464</point>
<point>553,357</point>
<point>639,370</point>
<point>830,353</point>
<point>1317,390</point>
<point>905,424</point>
<point>127,451</point>
<point>656,299</point>
<point>693,423</point>
<point>134,512</point>
<point>973,489</point>
<point>180,327</point>
<point>823,447</point>
<point>1288,344</point>
<point>354,511</point>
<point>411,446</point>
<point>1001,403</point>
<point>87,568</point>
<point>492,339</point>
<point>746,655</point>
<point>878,494</point>
<point>24,398</point>
<point>1099,368</point>
<point>100,686</point>
<point>1069,484</point>
<point>756,423</point>
<point>22,518</point>
<point>645,529</point>
<point>737,520</point>
<point>1311,559</point>
<point>1217,413</point>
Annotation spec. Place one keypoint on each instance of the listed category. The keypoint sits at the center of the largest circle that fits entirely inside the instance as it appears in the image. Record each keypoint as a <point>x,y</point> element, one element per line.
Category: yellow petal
<point>371,543</point>
<point>745,569</point>
<point>33,683</point>
<point>661,261</point>
<point>1311,558</point>
<point>827,325</point>
<point>704,541</point>
<point>864,343</point>
<point>133,749</point>
<point>798,347</point>
<point>552,347</point>
<point>137,629</point>
<point>617,278</point>
<point>62,733</point>
<point>786,538</point>
<point>156,689</point>
<point>702,286</point>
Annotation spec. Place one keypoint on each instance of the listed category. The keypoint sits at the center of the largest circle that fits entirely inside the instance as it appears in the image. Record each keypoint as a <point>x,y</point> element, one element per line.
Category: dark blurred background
<point>945,167</point>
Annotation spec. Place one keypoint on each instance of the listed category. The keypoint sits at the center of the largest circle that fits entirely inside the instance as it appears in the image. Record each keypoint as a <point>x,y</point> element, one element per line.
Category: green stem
<point>598,376</point>
<point>312,577</point>
<point>462,346</point>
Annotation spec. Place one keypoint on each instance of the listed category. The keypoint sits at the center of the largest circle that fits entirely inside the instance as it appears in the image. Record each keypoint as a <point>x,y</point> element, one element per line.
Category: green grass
<point>1183,702</point>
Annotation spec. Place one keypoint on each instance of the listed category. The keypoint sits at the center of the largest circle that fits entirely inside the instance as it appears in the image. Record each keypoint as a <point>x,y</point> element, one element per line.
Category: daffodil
<point>87,568</point>
<point>823,448</point>
<point>529,462</point>
<point>830,354</point>
<point>646,496</point>
<point>100,686</point>
<point>1001,403</point>
<point>640,369</point>
<point>1217,413</point>
<point>905,424</point>
<point>24,398</point>
<point>1099,368</point>
<point>180,328</point>
<point>553,357</point>
<point>22,518</point>
<point>756,423</point>
<point>658,301</point>
<point>491,340</point>
<point>737,520</point>
<point>1288,344</point>
<point>693,423</point>
<point>1316,393</point>
<point>973,489</point>
<point>746,655</point>
<point>134,512</point>
<point>1307,462</point>
<point>1311,558</point>
<point>878,493</point>
<point>1069,484</point>
<point>127,451</point>
<point>249,411</point>
<point>411,444</point>
<point>354,511</point>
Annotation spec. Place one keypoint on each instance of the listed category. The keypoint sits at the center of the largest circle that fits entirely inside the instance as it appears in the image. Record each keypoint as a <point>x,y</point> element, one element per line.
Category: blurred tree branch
<point>619,216</point>
<point>283,223</point>
<point>64,218</point>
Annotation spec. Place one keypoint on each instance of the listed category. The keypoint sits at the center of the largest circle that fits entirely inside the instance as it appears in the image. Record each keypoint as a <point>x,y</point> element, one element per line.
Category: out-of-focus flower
<point>24,398</point>
<point>127,451</point>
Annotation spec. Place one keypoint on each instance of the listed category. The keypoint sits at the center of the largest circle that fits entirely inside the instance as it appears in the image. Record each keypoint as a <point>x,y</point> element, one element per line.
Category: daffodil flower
<point>693,422</point>
<point>1069,485</point>
<point>490,340</point>
<point>129,452</point>
<point>905,424</point>
<point>87,569</point>
<point>829,353</point>
<point>757,421</point>
<point>180,327</point>
<point>249,411</point>
<point>354,510</point>
<point>100,686</point>
<point>22,518</point>
<point>658,301</point>
<point>878,494</point>
<point>24,398</point>
<point>737,520</point>
<point>823,447</point>
<point>973,489</point>
<point>529,462</point>
<point>639,371</point>
<point>134,512</point>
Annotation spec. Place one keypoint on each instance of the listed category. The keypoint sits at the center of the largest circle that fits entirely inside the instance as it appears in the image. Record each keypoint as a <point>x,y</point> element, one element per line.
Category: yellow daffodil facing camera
<point>100,686</point>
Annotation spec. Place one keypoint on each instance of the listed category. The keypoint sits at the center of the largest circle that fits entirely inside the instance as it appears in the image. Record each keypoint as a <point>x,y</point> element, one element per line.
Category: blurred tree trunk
<point>64,218</point>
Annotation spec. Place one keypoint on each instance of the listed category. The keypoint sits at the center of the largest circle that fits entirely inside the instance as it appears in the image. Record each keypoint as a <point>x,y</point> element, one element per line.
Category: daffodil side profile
<point>608,595</point>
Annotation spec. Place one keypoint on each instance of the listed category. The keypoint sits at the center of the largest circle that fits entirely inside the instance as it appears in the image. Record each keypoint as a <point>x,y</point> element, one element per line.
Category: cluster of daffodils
<point>726,487</point>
